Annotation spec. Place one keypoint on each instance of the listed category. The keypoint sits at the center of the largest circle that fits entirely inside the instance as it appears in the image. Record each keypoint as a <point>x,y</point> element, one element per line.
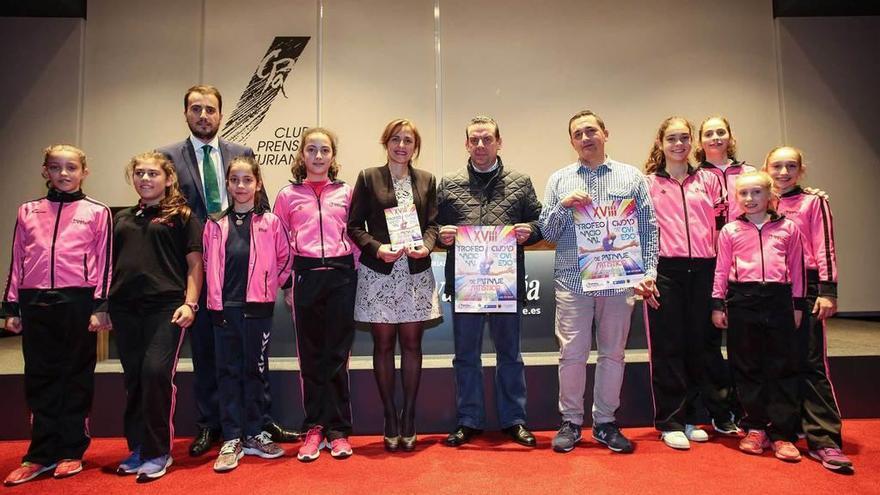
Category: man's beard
<point>204,136</point>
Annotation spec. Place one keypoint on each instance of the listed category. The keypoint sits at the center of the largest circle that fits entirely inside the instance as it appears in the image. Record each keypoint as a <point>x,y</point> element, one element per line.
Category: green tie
<point>212,191</point>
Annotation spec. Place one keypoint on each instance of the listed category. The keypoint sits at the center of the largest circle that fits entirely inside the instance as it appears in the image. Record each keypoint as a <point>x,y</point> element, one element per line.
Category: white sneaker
<point>675,439</point>
<point>695,433</point>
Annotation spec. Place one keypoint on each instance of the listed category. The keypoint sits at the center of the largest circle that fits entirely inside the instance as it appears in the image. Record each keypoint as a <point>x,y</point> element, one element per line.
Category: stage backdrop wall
<point>114,84</point>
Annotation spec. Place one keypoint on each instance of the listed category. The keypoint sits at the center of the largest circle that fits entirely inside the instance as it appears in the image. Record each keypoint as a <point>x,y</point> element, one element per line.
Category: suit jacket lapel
<point>225,155</point>
<point>192,165</point>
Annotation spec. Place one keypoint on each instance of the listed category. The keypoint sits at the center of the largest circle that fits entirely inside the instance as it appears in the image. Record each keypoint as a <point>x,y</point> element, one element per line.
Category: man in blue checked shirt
<point>594,177</point>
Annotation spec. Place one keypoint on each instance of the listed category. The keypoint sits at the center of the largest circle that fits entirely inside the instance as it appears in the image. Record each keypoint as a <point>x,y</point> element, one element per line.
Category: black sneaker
<point>726,426</point>
<point>609,435</point>
<point>567,437</point>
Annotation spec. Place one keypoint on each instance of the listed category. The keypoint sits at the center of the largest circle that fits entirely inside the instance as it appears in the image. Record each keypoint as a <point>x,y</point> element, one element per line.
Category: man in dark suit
<point>201,160</point>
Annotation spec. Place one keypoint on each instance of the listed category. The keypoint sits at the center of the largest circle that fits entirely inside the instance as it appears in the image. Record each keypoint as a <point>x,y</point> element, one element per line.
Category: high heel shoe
<point>391,443</point>
<point>408,444</point>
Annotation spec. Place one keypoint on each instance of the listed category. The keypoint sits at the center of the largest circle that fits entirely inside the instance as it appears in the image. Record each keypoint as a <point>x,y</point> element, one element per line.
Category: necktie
<point>212,190</point>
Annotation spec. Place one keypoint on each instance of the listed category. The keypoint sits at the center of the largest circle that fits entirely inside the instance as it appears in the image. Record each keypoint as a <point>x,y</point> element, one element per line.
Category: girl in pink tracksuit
<point>685,349</point>
<point>821,415</point>
<point>247,258</point>
<point>314,209</point>
<point>56,295</point>
<point>716,152</point>
<point>758,294</point>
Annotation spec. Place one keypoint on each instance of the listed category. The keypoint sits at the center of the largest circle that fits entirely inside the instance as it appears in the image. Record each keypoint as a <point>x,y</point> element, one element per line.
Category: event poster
<point>403,227</point>
<point>485,269</point>
<point>609,252</point>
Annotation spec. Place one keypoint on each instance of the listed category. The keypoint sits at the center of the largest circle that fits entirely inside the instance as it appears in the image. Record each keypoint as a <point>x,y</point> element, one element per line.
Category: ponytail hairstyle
<point>298,169</point>
<point>700,153</point>
<point>173,204</point>
<point>260,197</point>
<point>656,159</point>
<point>60,148</point>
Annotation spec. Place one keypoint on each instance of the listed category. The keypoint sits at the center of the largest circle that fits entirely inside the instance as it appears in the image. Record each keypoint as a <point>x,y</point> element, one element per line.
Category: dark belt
<point>337,262</point>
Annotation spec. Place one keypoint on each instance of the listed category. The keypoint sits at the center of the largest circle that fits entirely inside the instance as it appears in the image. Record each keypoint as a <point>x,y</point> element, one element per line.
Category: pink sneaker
<point>340,448</point>
<point>754,442</point>
<point>786,451</point>
<point>831,458</point>
<point>26,472</point>
<point>67,468</point>
<point>311,447</point>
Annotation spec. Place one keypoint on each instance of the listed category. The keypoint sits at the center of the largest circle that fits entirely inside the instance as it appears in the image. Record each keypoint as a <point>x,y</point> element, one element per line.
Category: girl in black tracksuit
<point>157,277</point>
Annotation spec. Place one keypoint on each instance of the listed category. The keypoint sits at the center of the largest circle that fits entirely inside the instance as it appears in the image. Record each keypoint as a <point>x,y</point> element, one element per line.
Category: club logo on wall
<point>256,99</point>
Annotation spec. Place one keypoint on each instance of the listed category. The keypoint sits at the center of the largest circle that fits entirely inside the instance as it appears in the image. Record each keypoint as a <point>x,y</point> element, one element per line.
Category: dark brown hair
<point>586,113</point>
<point>204,89</point>
<point>482,119</point>
<point>298,169</point>
<point>260,197</point>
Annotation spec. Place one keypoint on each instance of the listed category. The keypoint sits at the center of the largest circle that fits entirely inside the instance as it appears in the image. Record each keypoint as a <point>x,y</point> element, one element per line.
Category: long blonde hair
<point>174,203</point>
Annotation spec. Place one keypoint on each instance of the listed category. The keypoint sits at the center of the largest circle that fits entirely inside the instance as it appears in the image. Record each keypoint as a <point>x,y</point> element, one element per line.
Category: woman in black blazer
<point>396,292</point>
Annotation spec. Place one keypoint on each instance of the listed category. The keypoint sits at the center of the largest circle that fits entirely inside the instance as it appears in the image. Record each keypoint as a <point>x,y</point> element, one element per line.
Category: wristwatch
<point>193,306</point>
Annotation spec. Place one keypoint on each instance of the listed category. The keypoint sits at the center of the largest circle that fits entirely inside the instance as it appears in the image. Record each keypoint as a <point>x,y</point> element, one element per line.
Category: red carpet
<point>490,465</point>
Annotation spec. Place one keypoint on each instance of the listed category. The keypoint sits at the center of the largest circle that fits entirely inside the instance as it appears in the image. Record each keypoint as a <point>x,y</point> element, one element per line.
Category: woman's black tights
<point>385,338</point>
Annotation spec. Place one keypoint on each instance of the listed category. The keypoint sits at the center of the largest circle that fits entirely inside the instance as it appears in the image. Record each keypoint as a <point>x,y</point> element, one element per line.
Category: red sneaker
<point>754,442</point>
<point>68,467</point>
<point>26,472</point>
<point>786,451</point>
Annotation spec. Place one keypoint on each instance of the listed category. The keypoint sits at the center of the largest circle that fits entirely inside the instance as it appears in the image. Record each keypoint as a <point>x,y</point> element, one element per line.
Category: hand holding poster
<point>609,252</point>
<point>403,227</point>
<point>485,269</point>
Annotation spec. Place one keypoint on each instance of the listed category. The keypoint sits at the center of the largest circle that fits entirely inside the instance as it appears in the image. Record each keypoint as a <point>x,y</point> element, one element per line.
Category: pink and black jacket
<point>813,217</point>
<point>269,262</point>
<point>316,224</point>
<point>770,255</point>
<point>728,186</point>
<point>63,243</point>
<point>686,212</point>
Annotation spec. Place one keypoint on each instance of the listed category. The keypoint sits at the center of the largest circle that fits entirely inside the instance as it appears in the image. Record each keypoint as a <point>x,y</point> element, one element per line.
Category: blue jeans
<point>510,378</point>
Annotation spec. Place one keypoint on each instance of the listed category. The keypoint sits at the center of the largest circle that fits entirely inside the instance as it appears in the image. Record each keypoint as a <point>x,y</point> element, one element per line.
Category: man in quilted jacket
<point>487,193</point>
